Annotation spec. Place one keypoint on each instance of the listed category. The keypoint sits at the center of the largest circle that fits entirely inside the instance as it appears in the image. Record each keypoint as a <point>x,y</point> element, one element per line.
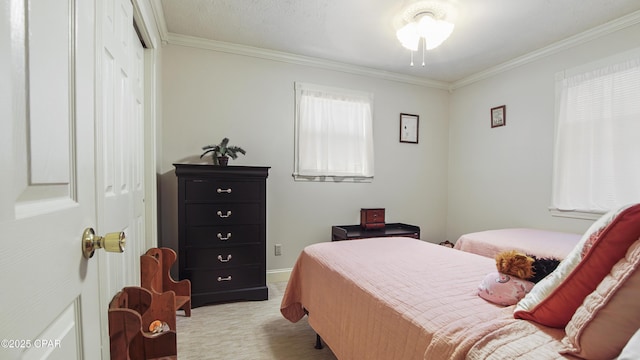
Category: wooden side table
<point>350,232</point>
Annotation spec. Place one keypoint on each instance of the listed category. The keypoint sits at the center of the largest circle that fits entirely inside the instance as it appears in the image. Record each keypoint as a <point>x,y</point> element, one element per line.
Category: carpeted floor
<point>247,330</point>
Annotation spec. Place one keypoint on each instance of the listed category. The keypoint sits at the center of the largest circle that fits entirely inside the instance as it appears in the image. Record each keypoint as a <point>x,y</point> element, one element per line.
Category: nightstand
<point>350,232</point>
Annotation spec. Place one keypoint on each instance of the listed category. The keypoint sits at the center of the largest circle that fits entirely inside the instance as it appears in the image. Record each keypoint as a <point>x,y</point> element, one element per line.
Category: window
<point>597,143</point>
<point>333,134</point>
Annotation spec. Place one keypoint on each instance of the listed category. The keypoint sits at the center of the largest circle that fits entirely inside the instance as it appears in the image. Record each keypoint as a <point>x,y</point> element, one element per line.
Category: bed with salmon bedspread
<point>541,243</point>
<point>402,298</point>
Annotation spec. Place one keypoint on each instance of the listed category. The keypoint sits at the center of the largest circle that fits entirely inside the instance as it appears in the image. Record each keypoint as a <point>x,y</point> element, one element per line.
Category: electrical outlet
<point>278,249</point>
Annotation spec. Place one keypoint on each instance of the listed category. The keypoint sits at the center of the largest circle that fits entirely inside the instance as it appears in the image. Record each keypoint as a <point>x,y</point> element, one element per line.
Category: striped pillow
<point>609,316</point>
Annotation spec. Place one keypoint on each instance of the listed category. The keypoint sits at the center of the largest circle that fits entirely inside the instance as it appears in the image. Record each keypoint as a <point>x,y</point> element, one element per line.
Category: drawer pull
<point>228,278</point>
<point>224,238</point>
<point>224,260</point>
<point>223,215</point>
<point>228,191</point>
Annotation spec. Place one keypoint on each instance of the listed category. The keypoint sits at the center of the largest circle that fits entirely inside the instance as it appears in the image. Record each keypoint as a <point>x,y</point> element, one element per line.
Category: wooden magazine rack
<point>155,276</point>
<point>131,311</point>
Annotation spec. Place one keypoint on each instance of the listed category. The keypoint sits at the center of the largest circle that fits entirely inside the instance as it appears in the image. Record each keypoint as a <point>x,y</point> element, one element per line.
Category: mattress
<point>402,298</point>
<point>541,243</point>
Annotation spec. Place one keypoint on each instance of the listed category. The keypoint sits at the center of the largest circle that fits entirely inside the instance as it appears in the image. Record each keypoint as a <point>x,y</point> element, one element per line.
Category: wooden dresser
<point>222,232</point>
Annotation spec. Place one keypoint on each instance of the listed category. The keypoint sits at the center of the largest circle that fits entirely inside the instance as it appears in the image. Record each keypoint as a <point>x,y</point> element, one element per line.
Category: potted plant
<point>222,152</point>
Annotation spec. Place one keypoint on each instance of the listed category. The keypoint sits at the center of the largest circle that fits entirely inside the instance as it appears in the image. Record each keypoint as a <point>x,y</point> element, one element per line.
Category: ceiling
<point>362,32</point>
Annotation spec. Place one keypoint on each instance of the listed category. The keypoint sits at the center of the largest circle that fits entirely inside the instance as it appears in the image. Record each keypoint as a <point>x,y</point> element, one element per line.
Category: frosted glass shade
<point>435,32</point>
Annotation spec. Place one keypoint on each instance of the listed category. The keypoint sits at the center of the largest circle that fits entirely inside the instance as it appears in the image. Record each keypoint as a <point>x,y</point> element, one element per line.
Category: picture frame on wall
<point>409,128</point>
<point>499,116</point>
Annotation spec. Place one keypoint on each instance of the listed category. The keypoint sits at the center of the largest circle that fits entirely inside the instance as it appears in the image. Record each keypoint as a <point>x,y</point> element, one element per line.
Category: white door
<point>49,302</point>
<point>65,143</point>
<point>120,144</point>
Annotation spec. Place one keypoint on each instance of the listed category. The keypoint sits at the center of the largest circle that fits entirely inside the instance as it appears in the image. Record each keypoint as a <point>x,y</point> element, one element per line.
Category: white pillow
<point>631,351</point>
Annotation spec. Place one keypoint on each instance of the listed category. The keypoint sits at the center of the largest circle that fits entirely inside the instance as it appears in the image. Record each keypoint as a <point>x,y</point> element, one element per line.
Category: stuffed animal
<point>517,274</point>
<point>543,267</point>
<point>515,263</point>
<point>523,266</point>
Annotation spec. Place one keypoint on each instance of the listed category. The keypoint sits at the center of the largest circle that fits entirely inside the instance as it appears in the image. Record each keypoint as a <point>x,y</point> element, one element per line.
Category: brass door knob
<point>111,242</point>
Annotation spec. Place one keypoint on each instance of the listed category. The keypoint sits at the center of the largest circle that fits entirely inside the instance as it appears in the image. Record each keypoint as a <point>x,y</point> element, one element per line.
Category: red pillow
<point>609,246</point>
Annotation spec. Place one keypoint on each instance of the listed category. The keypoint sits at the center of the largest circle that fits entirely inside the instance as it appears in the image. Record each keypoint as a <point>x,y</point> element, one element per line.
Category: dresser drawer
<point>220,190</point>
<point>211,280</point>
<point>222,235</point>
<point>222,214</point>
<point>224,257</point>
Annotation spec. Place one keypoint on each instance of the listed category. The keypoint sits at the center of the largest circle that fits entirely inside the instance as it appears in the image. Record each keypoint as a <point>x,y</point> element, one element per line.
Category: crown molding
<point>177,39</point>
<point>591,34</point>
<point>272,55</point>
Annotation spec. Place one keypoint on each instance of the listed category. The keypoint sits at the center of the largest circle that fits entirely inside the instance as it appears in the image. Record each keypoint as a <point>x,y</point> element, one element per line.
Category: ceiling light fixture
<point>427,21</point>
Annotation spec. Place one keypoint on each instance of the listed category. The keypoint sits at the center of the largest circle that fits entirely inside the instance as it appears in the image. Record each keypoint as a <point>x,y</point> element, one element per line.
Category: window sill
<point>338,179</point>
<point>576,214</point>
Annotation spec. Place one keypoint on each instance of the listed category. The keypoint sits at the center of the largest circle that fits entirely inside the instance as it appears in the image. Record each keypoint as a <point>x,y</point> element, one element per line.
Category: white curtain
<point>597,144</point>
<point>334,134</point>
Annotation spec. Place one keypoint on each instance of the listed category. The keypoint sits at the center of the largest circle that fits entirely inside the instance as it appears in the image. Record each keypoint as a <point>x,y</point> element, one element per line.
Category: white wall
<point>501,177</point>
<point>208,95</point>
<point>464,176</point>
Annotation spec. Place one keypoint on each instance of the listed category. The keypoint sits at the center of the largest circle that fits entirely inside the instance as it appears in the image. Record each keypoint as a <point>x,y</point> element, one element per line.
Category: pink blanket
<point>541,243</point>
<point>396,298</point>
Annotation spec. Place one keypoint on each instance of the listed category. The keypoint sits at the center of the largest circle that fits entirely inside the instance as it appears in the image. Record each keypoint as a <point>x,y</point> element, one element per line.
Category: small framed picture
<point>498,116</point>
<point>409,128</point>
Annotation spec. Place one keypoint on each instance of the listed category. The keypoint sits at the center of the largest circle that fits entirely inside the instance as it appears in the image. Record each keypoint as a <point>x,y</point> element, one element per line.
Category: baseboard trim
<point>278,275</point>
